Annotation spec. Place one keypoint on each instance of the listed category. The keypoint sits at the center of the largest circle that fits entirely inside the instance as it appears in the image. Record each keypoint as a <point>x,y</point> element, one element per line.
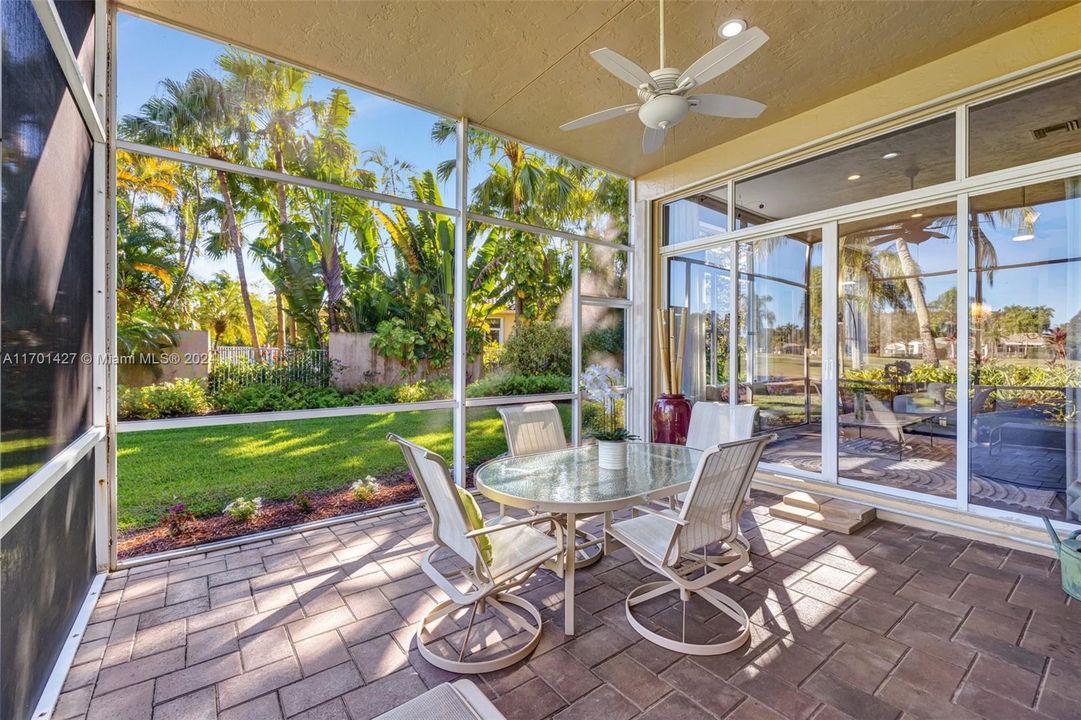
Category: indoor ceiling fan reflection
<point>664,95</point>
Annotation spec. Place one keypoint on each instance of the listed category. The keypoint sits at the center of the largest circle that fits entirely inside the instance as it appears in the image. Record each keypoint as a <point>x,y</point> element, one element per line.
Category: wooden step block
<point>846,509</point>
<point>806,500</point>
<point>812,518</point>
<point>838,515</point>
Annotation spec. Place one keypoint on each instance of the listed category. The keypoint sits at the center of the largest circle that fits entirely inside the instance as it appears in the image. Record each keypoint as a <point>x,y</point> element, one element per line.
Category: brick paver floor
<point>891,622</point>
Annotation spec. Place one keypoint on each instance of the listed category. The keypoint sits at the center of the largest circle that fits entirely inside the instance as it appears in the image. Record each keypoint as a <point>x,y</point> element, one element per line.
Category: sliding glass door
<point>896,354</point>
<point>1025,294</point>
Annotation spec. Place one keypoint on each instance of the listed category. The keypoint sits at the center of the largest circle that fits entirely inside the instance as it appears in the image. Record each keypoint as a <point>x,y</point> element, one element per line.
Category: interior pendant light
<point>1026,228</point>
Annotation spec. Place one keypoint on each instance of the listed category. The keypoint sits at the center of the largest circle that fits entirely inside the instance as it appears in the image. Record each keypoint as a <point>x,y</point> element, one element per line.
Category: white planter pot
<point>612,455</point>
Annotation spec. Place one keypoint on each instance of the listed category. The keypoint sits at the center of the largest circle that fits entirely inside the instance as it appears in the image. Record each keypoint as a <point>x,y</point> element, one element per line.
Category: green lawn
<point>207,467</point>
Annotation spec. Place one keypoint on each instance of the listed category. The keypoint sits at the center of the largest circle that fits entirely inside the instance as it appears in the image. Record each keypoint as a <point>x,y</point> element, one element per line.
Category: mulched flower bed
<point>273,515</point>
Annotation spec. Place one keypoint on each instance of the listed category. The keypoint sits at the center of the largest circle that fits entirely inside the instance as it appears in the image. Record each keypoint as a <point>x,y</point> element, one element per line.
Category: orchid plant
<point>600,384</point>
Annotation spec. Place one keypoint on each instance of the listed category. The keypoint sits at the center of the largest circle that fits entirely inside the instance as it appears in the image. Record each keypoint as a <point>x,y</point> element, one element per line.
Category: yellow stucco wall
<point>1047,40</point>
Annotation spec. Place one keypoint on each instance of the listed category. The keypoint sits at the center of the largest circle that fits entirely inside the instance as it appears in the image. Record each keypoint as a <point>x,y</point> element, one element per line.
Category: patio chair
<point>538,428</point>
<point>667,541</point>
<point>713,423</point>
<point>533,428</point>
<point>513,552</point>
<point>458,700</point>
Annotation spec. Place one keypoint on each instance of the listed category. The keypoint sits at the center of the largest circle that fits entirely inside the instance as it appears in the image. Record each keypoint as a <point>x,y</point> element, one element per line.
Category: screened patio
<point>345,375</point>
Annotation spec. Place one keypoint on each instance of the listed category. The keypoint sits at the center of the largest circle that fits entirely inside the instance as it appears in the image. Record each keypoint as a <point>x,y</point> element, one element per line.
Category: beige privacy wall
<point>1054,37</point>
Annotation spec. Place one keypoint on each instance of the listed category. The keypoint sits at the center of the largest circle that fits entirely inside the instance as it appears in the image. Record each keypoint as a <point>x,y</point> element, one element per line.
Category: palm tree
<point>393,171</point>
<point>522,184</point>
<point>272,98</point>
<point>328,155</point>
<point>902,234</point>
<point>202,117</point>
<point>220,308</point>
<point>142,176</point>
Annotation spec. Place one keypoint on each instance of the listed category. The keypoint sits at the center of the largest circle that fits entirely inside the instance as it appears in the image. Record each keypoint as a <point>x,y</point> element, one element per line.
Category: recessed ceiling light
<point>732,28</point>
<point>890,155</point>
<point>854,176</point>
<point>917,214</point>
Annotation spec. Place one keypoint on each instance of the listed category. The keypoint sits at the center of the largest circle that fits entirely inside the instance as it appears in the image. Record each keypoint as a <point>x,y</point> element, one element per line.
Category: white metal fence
<point>247,365</point>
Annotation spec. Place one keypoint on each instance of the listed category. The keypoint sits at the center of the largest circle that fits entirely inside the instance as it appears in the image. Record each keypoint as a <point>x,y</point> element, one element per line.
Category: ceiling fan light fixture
<point>663,111</point>
<point>731,28</point>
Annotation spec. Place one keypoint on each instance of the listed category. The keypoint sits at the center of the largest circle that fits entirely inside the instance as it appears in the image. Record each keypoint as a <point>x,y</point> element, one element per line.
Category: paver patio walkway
<point>890,622</point>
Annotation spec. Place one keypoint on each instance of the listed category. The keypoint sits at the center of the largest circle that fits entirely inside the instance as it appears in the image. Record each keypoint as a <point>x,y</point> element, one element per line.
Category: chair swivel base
<point>722,602</point>
<point>589,549</point>
<point>466,667</point>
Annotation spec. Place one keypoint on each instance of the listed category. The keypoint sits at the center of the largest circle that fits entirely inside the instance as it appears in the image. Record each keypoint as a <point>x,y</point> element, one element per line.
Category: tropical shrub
<point>538,349</point>
<point>392,339</point>
<point>269,397</point>
<point>603,341</point>
<point>505,383</point>
<point>243,510</point>
<point>171,399</point>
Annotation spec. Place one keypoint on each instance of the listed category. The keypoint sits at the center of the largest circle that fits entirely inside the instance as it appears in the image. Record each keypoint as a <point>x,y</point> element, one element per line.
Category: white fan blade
<point>599,117</point>
<point>652,140</point>
<point>724,57</point>
<point>725,106</point>
<point>626,70</point>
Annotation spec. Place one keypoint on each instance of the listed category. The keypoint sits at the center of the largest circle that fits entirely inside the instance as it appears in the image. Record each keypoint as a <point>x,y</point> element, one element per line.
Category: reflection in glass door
<point>780,344</point>
<point>897,342</point>
<point>1025,320</point>
<point>700,282</point>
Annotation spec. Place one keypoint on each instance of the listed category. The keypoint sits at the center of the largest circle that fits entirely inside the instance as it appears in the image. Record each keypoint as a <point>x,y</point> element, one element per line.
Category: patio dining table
<point>571,484</point>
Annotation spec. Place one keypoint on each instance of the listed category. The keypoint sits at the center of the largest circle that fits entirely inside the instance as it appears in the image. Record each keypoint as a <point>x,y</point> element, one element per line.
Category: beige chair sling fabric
<point>533,428</point>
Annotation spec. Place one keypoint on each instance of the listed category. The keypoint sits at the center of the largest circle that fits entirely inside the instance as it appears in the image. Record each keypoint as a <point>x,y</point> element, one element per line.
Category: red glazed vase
<point>671,419</point>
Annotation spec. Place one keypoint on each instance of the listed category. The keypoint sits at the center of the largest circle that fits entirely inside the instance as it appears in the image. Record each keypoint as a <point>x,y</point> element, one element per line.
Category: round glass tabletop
<point>571,481</point>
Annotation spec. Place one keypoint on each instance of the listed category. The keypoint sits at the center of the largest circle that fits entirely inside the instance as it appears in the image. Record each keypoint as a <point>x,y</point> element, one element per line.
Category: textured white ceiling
<point>523,68</point>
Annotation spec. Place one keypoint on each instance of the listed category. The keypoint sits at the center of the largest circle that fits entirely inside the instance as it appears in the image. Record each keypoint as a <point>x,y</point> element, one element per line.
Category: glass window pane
<point>302,470</point>
<point>365,292</point>
<point>47,238</point>
<point>1036,124</point>
<point>1025,283</point>
<point>915,157</point>
<point>897,336</point>
<point>604,336</point>
<point>513,181</point>
<point>603,271</point>
<point>260,113</point>
<point>522,282</point>
<point>700,281</point>
<point>780,341</point>
<point>698,216</point>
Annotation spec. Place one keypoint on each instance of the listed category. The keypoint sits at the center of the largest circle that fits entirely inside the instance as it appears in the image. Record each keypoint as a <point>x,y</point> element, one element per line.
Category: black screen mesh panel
<point>46,286</point>
<point>46,570</point>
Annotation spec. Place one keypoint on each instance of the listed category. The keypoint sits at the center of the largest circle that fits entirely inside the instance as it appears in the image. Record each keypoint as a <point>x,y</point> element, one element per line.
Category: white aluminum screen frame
<point>637,276</point>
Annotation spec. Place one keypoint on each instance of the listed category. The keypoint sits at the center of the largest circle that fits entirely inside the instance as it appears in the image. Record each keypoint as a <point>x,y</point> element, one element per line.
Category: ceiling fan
<point>664,94</point>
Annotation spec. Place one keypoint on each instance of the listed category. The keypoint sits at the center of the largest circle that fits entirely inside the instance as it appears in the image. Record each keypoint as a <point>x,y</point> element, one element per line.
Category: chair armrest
<point>514,523</point>
<point>650,511</point>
